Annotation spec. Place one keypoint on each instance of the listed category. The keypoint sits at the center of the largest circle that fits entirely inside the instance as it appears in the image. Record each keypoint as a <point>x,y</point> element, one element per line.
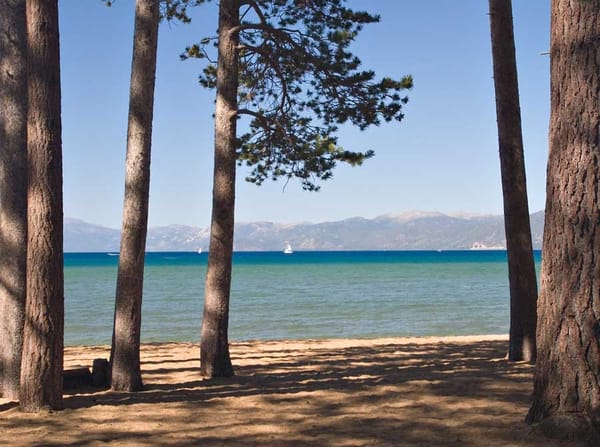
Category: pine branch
<point>298,82</point>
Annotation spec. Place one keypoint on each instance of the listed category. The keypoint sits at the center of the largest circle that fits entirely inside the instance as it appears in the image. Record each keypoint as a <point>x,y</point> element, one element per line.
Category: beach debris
<point>76,378</point>
<point>82,377</point>
<point>100,373</point>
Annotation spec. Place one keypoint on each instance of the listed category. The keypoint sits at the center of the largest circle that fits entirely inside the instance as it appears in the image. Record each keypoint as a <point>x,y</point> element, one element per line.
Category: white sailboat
<point>288,248</point>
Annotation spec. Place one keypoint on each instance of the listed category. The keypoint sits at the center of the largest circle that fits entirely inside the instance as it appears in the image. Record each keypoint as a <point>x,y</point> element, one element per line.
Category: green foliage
<point>172,9</point>
<point>298,82</point>
<point>177,9</point>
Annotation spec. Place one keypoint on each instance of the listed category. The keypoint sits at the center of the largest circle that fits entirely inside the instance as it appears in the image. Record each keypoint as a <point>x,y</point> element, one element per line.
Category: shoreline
<point>420,391</point>
<point>377,340</point>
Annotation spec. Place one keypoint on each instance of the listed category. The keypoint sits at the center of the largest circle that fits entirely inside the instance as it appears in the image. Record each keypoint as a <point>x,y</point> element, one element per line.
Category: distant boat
<point>288,249</point>
<point>200,251</point>
<point>112,254</point>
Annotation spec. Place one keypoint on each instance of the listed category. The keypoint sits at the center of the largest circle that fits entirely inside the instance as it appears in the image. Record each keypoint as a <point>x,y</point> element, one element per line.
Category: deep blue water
<point>302,295</point>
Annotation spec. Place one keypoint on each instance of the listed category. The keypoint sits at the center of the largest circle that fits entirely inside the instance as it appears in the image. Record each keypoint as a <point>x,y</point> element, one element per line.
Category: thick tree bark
<point>125,352</point>
<point>521,267</point>
<point>567,376</point>
<point>214,345</point>
<point>13,191</point>
<point>42,362</point>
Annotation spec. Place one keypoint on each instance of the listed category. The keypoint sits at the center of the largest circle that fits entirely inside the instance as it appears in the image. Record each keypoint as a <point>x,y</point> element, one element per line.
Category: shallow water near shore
<point>305,295</point>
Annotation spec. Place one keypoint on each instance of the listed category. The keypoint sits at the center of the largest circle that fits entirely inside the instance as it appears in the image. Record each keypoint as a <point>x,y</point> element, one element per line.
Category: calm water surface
<point>302,295</point>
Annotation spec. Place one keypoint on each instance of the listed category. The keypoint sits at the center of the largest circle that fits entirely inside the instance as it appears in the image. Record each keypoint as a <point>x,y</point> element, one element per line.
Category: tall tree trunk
<point>13,191</point>
<point>125,352</point>
<point>214,345</point>
<point>567,376</point>
<point>521,267</point>
<point>42,362</point>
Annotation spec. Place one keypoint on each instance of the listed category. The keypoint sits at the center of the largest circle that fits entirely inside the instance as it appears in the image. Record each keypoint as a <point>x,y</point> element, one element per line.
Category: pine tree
<point>125,353</point>
<point>286,66</point>
<point>567,375</point>
<point>13,191</point>
<point>521,267</point>
<point>41,383</point>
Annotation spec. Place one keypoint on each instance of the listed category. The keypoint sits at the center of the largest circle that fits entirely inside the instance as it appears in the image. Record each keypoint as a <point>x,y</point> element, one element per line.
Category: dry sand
<point>452,391</point>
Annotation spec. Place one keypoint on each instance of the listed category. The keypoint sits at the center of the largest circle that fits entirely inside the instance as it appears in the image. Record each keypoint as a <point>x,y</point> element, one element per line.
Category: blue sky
<point>442,157</point>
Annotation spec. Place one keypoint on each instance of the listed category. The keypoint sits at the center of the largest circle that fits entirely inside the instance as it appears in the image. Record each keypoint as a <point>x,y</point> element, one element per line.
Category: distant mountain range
<point>408,231</point>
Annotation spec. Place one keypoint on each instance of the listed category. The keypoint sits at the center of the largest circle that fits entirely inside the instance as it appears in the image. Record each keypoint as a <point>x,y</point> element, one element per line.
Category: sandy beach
<point>450,391</point>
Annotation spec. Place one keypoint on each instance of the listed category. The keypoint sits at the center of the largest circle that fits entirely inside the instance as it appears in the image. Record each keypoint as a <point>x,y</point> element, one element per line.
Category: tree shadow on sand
<point>474,366</point>
<point>385,394</point>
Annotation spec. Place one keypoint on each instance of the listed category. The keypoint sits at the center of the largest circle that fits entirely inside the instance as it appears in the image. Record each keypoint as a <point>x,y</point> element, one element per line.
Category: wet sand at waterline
<point>430,391</point>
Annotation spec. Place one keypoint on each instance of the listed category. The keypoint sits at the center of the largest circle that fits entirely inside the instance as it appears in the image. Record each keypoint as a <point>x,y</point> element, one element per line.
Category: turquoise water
<point>299,296</point>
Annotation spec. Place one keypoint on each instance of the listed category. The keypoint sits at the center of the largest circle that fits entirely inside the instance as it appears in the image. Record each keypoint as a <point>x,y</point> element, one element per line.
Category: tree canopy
<point>298,82</point>
<point>172,9</point>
